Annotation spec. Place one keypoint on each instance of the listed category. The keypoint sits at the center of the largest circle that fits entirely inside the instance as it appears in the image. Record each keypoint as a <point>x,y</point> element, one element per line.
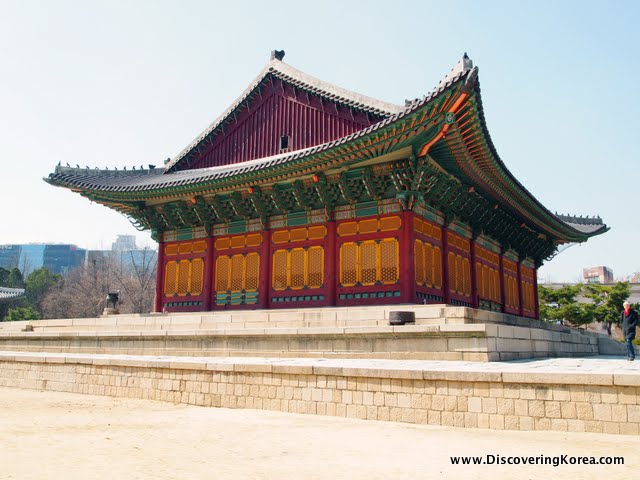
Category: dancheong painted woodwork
<point>306,194</point>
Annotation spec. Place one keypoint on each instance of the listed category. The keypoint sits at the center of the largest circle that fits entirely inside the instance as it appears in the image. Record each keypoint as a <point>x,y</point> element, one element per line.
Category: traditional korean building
<point>305,194</point>
<point>11,294</point>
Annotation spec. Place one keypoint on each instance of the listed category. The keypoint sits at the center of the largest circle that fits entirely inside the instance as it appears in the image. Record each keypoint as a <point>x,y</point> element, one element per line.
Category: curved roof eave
<point>568,221</point>
<point>139,181</point>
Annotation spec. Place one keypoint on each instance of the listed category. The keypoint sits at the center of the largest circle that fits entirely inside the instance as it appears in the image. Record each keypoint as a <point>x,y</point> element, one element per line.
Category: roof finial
<point>467,64</point>
<point>277,54</point>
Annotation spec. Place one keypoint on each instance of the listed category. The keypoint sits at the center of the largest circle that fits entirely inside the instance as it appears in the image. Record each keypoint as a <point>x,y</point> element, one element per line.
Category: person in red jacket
<point>629,322</point>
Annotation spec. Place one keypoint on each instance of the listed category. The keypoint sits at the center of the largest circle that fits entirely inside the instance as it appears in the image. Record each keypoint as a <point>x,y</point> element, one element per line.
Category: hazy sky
<point>114,83</point>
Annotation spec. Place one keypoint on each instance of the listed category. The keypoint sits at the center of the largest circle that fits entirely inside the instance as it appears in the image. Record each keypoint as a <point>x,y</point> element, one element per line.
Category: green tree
<point>11,278</point>
<point>608,301</point>
<point>562,305</point>
<point>22,313</point>
<point>39,283</point>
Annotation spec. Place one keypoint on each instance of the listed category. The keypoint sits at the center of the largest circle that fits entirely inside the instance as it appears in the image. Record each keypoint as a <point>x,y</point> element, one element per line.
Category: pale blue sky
<point>117,83</point>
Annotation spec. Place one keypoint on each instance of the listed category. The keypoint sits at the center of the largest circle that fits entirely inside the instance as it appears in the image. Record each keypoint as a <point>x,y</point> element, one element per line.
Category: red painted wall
<point>255,132</point>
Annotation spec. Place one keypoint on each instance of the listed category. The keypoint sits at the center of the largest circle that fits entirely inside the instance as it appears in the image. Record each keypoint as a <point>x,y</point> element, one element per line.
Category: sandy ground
<point>50,435</point>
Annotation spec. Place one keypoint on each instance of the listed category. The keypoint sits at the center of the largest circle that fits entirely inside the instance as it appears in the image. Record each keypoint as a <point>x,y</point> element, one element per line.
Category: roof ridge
<point>462,67</point>
<point>322,86</point>
<point>581,220</point>
<point>102,172</point>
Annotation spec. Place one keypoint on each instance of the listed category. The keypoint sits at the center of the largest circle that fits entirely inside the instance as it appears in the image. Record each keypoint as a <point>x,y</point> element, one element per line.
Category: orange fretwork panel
<point>196,280</point>
<point>298,268</point>
<point>427,229</point>
<point>238,241</point>
<point>458,242</point>
<point>370,262</point>
<point>527,285</point>
<point>488,282</point>
<point>170,278</point>
<point>370,225</point>
<point>317,232</point>
<point>428,264</point>
<point>459,274</point>
<point>237,273</point>
<point>197,246</point>
<point>510,278</point>
<point>184,277</point>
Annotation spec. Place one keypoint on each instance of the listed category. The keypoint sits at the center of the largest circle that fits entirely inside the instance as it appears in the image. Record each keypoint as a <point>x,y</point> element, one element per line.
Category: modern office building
<point>600,274</point>
<point>57,258</point>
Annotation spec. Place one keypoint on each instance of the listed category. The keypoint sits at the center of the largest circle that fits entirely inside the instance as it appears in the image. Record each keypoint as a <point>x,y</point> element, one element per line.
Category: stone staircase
<point>439,333</point>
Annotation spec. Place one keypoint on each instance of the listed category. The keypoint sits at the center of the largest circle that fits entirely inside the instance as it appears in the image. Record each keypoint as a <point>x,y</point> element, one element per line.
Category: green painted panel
<point>296,221</point>
<point>366,211</point>
<point>237,228</point>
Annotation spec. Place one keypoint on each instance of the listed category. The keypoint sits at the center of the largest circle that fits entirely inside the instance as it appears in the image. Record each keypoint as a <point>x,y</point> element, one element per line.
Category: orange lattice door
<point>236,271</point>
<point>298,276</point>
<point>511,287</point>
<point>459,269</point>
<point>528,286</point>
<point>184,276</point>
<point>368,260</point>
<point>488,281</point>
<point>427,257</point>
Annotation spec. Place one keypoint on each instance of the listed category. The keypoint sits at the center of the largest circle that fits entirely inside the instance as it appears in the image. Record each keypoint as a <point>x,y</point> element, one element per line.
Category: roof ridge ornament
<point>464,65</point>
<point>467,63</point>
<point>277,54</point>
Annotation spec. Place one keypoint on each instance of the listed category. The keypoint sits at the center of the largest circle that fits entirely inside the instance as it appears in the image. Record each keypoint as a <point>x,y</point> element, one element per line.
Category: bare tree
<point>136,278</point>
<point>83,291</point>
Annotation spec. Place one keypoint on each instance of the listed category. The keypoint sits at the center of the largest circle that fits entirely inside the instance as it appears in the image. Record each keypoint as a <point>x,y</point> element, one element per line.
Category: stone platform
<point>340,361</point>
<point>440,333</point>
<point>597,394</point>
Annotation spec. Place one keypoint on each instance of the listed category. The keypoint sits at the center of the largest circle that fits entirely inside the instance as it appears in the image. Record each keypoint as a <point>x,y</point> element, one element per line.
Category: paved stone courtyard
<point>54,435</point>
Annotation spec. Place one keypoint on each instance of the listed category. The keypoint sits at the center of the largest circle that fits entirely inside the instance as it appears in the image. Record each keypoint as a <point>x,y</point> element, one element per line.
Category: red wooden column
<point>445,265</point>
<point>535,293</point>
<point>157,307</point>
<point>474,274</point>
<point>407,266</point>
<point>208,275</point>
<point>503,297</point>
<point>265,269</point>
<point>330,263</point>
<point>520,296</point>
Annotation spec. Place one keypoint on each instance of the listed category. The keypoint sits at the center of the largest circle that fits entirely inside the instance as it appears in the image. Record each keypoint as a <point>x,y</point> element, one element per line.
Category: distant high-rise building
<point>598,275</point>
<point>124,242</point>
<point>57,258</point>
<point>9,256</point>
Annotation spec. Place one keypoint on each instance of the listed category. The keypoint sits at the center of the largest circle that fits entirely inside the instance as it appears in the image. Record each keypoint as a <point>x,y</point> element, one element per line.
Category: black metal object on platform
<point>112,299</point>
<point>401,318</point>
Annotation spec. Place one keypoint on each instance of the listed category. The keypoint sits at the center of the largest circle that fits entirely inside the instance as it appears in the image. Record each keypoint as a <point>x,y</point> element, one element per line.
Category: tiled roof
<point>586,225</point>
<point>159,178</point>
<point>303,81</point>
<point>10,293</point>
<point>141,180</point>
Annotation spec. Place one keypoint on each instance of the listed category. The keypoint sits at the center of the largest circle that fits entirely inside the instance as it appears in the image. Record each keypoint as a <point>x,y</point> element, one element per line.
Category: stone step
<point>474,342</point>
<point>293,318</point>
<point>458,332</point>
